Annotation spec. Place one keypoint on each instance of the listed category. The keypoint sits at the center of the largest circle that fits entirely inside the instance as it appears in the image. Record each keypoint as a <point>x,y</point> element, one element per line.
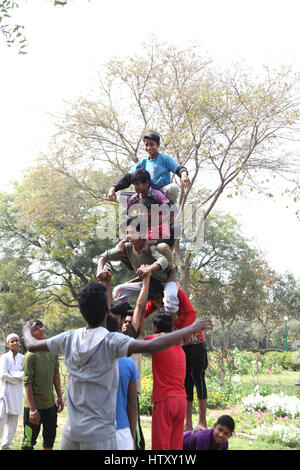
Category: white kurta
<point>11,382</point>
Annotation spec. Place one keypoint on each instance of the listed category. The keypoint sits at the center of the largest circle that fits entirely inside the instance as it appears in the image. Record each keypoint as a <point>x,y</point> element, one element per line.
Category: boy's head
<point>162,323</point>
<point>223,429</point>
<point>93,303</point>
<point>38,330</point>
<point>120,309</point>
<point>152,142</point>
<point>127,321</point>
<point>13,342</point>
<point>141,181</point>
<point>156,292</point>
<point>112,323</point>
<point>133,228</point>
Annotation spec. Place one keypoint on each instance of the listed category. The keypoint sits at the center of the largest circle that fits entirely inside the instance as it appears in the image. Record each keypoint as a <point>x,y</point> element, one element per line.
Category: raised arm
<point>138,314</point>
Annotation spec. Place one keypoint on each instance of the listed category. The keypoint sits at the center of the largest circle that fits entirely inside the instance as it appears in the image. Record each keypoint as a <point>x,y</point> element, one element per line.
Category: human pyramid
<point>103,380</point>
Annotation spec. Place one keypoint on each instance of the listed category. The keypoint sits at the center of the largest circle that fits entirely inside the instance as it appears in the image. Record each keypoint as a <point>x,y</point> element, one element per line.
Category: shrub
<point>278,433</point>
<point>280,405</point>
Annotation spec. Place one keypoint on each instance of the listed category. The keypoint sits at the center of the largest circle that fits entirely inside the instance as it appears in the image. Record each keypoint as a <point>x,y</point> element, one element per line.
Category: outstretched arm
<point>165,341</point>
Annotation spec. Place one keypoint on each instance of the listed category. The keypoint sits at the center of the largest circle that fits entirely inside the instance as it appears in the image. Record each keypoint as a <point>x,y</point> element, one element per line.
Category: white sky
<point>66,46</point>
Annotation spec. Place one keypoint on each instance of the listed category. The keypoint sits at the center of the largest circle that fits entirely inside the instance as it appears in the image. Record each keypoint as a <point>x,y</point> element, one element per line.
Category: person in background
<point>11,390</point>
<point>215,438</point>
<point>41,374</point>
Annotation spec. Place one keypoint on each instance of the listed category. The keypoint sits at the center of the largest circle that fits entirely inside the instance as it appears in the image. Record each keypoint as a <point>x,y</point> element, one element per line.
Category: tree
<point>281,299</point>
<point>50,224</point>
<point>18,295</point>
<point>223,281</point>
<point>14,33</point>
<point>225,127</point>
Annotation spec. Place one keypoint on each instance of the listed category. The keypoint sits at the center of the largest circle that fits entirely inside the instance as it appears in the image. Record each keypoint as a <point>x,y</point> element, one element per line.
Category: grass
<point>279,382</point>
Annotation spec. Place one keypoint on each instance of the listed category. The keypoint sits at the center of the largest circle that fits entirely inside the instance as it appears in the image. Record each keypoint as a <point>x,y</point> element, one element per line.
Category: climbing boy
<point>159,166</point>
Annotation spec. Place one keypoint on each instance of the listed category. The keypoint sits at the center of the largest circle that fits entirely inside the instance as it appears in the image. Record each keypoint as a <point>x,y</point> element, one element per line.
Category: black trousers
<point>31,431</point>
<point>196,364</point>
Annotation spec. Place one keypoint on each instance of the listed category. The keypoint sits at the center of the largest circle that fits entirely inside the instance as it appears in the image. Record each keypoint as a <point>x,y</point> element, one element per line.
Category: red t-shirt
<point>168,368</point>
<point>186,313</point>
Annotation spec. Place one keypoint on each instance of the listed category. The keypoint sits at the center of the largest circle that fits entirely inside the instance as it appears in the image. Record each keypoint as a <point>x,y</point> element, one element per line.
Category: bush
<point>287,360</point>
<point>279,405</point>
<point>278,433</point>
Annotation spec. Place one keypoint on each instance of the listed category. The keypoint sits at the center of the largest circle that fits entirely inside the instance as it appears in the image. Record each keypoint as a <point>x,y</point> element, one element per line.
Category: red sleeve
<point>187,313</point>
<point>150,308</point>
<point>149,337</point>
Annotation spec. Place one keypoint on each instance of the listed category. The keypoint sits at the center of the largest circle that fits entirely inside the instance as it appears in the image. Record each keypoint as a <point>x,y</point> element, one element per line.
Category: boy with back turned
<point>91,359</point>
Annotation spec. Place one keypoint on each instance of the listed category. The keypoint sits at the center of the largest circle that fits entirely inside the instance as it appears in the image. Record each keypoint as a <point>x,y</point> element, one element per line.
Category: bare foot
<point>200,426</point>
<point>188,427</point>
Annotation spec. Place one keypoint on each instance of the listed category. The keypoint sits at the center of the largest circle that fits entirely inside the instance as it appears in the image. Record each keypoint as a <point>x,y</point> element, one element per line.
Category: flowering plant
<point>279,404</point>
<point>286,434</point>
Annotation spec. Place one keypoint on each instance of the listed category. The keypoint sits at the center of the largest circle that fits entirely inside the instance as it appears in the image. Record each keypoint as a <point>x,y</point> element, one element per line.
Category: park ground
<point>242,440</point>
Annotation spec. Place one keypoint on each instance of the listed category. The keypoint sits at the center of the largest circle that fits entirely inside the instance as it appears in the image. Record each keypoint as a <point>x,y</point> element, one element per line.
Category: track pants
<point>168,424</point>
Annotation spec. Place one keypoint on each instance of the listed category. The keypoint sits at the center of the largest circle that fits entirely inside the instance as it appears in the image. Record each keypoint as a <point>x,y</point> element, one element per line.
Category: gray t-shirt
<point>91,359</point>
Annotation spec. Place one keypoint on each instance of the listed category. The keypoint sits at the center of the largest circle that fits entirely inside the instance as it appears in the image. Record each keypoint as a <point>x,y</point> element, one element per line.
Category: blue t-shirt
<point>127,373</point>
<point>159,169</point>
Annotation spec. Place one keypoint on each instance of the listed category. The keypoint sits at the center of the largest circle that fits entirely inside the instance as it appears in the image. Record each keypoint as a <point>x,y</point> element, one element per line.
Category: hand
<point>34,417</point>
<point>184,179</point>
<point>60,403</point>
<point>144,271</point>
<point>203,323</point>
<point>121,246</point>
<point>112,194</point>
<point>104,275</point>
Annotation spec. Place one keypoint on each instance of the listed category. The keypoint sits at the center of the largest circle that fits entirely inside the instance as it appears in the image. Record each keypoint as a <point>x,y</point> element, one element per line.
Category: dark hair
<point>111,323</point>
<point>155,287</point>
<point>132,219</point>
<point>152,136</point>
<point>147,201</point>
<point>93,303</point>
<point>38,322</point>
<point>129,313</point>
<point>226,420</point>
<point>140,176</point>
<point>120,308</point>
<point>162,322</point>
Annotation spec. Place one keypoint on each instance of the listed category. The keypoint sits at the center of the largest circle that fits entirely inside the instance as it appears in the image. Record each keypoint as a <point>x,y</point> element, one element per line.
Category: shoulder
<point>150,336</point>
<point>166,157</point>
<point>29,358</point>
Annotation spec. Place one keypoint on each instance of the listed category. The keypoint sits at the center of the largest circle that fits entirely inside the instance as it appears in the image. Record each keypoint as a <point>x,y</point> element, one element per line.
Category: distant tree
<point>51,224</point>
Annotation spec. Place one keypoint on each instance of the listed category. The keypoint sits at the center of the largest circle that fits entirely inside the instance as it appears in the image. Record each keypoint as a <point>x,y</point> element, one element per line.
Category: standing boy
<point>41,373</point>
<point>193,347</point>
<point>11,390</point>
<point>168,394</point>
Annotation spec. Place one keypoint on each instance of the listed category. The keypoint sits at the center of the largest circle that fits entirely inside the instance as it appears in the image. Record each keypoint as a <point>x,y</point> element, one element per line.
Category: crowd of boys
<point>103,359</point>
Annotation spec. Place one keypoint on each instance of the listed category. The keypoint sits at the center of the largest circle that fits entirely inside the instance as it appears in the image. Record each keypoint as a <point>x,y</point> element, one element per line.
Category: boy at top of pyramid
<point>159,166</point>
